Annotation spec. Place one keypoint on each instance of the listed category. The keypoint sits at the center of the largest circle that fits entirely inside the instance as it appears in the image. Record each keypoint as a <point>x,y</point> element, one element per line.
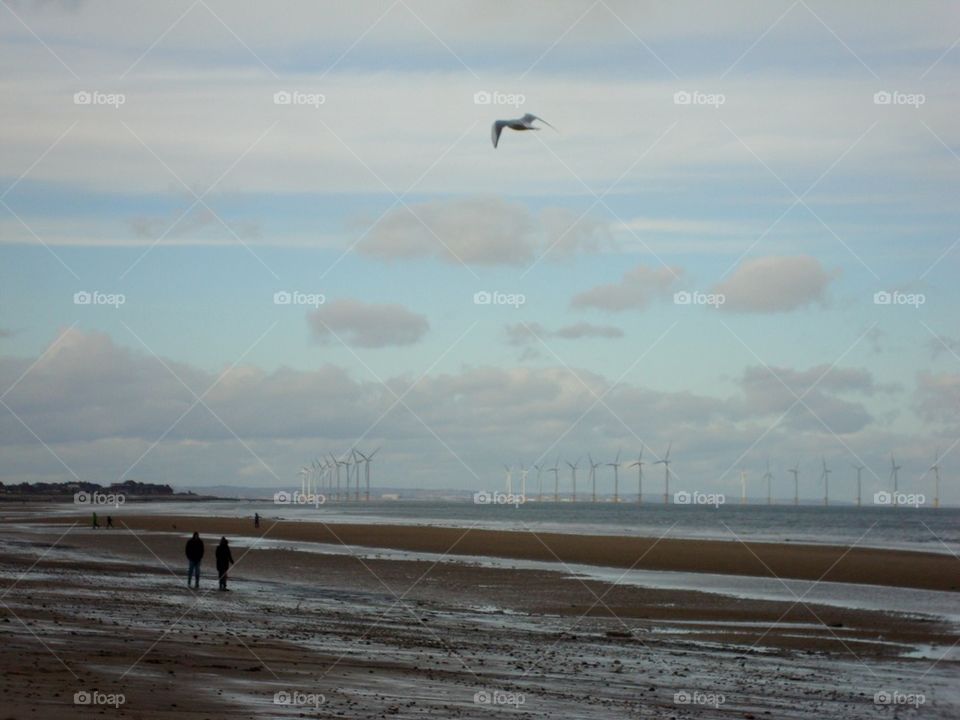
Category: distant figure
<point>194,551</point>
<point>109,521</point>
<point>224,561</point>
<point>256,520</point>
<point>95,523</point>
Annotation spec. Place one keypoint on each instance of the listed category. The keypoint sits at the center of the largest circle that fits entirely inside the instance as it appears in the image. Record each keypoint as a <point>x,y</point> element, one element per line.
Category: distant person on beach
<point>256,520</point>
<point>194,551</point>
<point>95,523</point>
<point>224,561</point>
<point>109,521</point>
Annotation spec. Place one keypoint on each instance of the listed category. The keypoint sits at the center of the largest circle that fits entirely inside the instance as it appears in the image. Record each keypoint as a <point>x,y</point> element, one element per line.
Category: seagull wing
<point>495,131</point>
<point>530,117</point>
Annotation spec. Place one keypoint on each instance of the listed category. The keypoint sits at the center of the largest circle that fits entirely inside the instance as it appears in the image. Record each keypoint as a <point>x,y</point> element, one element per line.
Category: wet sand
<point>870,566</point>
<point>109,610</point>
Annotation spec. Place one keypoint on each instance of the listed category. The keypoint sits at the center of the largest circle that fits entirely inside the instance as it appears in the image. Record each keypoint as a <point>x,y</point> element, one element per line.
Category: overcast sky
<point>700,254</point>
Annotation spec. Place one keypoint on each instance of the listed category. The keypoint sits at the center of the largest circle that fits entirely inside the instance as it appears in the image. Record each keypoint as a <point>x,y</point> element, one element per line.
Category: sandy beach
<point>364,635</point>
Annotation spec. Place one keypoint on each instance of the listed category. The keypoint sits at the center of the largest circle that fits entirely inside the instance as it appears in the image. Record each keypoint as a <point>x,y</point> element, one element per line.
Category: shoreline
<point>828,563</point>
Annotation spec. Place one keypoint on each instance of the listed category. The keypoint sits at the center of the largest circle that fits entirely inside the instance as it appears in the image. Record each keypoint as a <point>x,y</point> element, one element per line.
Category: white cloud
<point>635,290</point>
<point>367,325</point>
<point>775,284</point>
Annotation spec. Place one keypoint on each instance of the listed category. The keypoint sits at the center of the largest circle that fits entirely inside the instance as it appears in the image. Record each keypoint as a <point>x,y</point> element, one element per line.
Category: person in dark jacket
<point>194,551</point>
<point>224,561</point>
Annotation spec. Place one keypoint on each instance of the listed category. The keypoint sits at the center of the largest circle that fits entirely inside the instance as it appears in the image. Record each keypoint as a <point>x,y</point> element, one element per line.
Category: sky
<point>236,236</point>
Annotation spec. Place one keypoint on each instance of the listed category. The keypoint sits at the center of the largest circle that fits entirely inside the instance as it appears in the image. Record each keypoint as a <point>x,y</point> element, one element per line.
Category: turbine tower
<point>936,474</point>
<point>825,476</point>
<point>639,465</point>
<point>539,468</point>
<point>666,474</point>
<point>573,475</point>
<point>508,480</point>
<point>616,476</point>
<point>795,471</point>
<point>895,476</point>
<point>304,472</point>
<point>523,481</point>
<point>366,472</point>
<point>768,476</point>
<point>556,479</point>
<point>336,466</point>
<point>859,469</point>
<point>593,475</point>
<point>743,486</point>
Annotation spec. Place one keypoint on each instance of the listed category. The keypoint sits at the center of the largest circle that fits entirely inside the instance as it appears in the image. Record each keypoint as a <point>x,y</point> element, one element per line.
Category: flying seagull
<point>524,123</point>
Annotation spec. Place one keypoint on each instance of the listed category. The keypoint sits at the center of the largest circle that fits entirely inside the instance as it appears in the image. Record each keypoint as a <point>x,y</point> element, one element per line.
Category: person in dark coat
<point>224,561</point>
<point>194,552</point>
<point>256,520</point>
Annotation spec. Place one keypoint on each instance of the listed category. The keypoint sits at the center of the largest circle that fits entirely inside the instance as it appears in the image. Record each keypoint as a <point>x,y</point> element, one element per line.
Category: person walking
<point>194,552</point>
<point>256,520</point>
<point>224,561</point>
<point>95,523</point>
<point>109,522</point>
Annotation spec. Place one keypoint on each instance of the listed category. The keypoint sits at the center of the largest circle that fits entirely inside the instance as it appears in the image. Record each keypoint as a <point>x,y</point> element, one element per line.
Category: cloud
<point>521,334</point>
<point>637,289</point>
<point>481,231</point>
<point>367,324</point>
<point>810,399</point>
<point>588,330</point>
<point>775,284</point>
<point>937,397</point>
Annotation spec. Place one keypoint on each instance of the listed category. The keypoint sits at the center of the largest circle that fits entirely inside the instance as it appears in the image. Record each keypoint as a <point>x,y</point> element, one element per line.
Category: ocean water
<point>926,529</point>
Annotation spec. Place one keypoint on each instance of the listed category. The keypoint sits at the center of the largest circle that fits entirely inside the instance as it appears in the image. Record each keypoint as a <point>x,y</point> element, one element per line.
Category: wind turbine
<point>508,479</point>
<point>666,468</point>
<point>639,465</point>
<point>795,471</point>
<point>768,476</point>
<point>523,481</point>
<point>593,475</point>
<point>894,475</point>
<point>616,476</point>
<point>366,472</point>
<point>357,461</point>
<point>336,465</point>
<point>556,479</point>
<point>743,486</point>
<point>936,473</point>
<point>303,473</point>
<point>859,469</point>
<point>539,468</point>
<point>825,476</point>
<point>573,474</point>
